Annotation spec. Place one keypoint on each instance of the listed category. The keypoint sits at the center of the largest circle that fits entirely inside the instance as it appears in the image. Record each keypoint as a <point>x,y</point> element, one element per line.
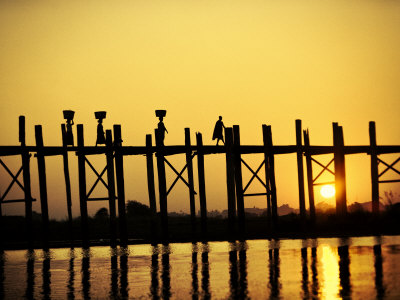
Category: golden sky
<point>253,62</point>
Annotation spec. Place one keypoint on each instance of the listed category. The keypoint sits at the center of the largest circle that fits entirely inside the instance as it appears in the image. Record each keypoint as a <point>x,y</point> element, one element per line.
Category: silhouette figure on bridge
<point>218,131</point>
<point>101,139</point>
<point>161,127</point>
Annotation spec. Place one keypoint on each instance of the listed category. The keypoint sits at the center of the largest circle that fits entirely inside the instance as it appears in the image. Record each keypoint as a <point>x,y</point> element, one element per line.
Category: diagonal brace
<point>389,166</point>
<point>254,175</point>
<point>11,184</point>
<point>12,175</point>
<point>99,177</point>
<point>324,168</point>
<point>179,175</point>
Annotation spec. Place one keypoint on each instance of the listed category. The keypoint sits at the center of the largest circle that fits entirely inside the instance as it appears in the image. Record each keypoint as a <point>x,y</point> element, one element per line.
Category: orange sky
<point>253,62</point>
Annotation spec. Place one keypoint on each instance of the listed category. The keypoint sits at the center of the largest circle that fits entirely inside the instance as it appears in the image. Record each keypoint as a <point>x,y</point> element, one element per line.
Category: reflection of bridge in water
<point>234,152</point>
<point>117,278</point>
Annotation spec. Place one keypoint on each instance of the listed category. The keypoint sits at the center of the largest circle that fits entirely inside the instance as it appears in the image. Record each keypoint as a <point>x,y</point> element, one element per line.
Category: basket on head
<point>160,113</point>
<point>68,114</point>
<point>100,114</point>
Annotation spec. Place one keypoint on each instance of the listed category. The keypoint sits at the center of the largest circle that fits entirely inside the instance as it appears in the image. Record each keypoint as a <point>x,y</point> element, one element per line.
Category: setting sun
<point>328,191</point>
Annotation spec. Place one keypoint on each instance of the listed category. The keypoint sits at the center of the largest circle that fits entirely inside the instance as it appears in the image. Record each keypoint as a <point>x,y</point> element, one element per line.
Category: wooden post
<point>374,168</point>
<point>67,182</point>
<point>111,188</point>
<point>267,153</point>
<point>42,185</point>
<point>340,175</point>
<point>26,173</point>
<point>309,175</point>
<point>238,178</point>
<point>202,184</point>
<point>82,187</point>
<point>230,180</point>
<point>162,185</point>
<point>119,170</point>
<point>271,159</point>
<point>150,185</point>
<point>189,164</point>
<point>300,171</point>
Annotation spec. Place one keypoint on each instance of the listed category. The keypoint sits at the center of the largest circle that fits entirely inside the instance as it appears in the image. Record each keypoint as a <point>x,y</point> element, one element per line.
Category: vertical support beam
<point>309,175</point>
<point>374,168</point>
<point>202,184</point>
<point>111,188</point>
<point>230,180</point>
<point>151,186</point>
<point>340,174</point>
<point>26,173</point>
<point>238,179</point>
<point>67,181</point>
<point>300,170</point>
<point>189,164</point>
<point>42,185</point>
<point>267,154</point>
<point>271,160</point>
<point>162,185</point>
<point>82,187</point>
<point>119,170</point>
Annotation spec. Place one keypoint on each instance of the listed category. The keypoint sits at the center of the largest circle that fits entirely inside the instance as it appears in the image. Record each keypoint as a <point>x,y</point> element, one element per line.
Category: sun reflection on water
<point>330,273</point>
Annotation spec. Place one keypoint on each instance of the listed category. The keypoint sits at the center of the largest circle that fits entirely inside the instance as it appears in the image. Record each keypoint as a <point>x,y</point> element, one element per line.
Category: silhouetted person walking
<point>218,131</point>
<point>161,130</point>
<point>100,133</point>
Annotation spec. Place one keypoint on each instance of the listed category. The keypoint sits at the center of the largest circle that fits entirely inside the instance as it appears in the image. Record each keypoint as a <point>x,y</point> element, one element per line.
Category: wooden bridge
<point>115,152</point>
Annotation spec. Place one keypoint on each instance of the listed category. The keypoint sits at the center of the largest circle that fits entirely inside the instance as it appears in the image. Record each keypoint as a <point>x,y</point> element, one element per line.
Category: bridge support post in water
<point>189,164</point>
<point>310,178</point>
<point>67,182</point>
<point>340,170</point>
<point>230,181</point>
<point>202,184</point>
<point>82,187</point>
<point>151,186</point>
<point>300,171</point>
<point>239,179</point>
<point>111,188</point>
<point>42,185</point>
<point>162,185</point>
<point>374,168</point>
<point>119,171</point>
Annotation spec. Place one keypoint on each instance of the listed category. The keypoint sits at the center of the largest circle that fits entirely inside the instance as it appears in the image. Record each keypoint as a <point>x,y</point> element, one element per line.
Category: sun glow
<point>327,191</point>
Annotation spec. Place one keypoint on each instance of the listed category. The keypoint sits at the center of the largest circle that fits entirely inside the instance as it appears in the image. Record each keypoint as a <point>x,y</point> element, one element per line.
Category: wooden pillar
<point>26,173</point>
<point>119,170</point>
<point>374,168</point>
<point>189,164</point>
<point>309,175</point>
<point>202,184</point>
<point>238,178</point>
<point>271,161</point>
<point>230,180</point>
<point>162,185</point>
<point>67,182</point>
<point>267,153</point>
<point>82,187</point>
<point>151,186</point>
<point>42,185</point>
<point>300,170</point>
<point>111,188</point>
<point>340,173</point>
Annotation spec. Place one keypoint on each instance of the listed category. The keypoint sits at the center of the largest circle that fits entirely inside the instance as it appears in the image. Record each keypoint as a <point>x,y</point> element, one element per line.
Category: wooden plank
<point>189,164</point>
<point>274,202</point>
<point>300,171</point>
<point>255,194</point>
<point>310,175</point>
<point>119,171</point>
<point>151,186</point>
<point>238,179</point>
<point>374,168</point>
<point>162,185</point>
<point>67,182</point>
<point>42,186</point>
<point>202,185</point>
<point>82,187</point>
<point>340,175</point>
<point>230,181</point>
<point>111,188</point>
<point>267,152</point>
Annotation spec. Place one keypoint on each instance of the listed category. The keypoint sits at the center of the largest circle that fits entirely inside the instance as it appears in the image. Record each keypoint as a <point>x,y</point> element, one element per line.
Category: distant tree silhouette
<point>135,208</point>
<point>102,213</point>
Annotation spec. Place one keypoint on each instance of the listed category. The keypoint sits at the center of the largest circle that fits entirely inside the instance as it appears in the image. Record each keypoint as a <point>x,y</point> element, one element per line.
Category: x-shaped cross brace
<point>99,178</point>
<point>179,175</point>
<point>15,180</point>
<point>389,167</point>
<point>254,175</point>
<point>324,168</point>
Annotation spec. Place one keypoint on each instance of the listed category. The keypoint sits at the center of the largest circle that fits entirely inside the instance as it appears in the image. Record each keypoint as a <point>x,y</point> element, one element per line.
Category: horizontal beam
<point>98,199</point>
<point>15,200</point>
<point>323,183</point>
<point>388,181</point>
<point>255,194</point>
